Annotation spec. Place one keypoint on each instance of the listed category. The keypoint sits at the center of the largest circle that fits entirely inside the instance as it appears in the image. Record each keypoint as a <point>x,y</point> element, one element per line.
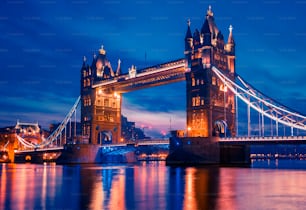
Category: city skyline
<point>42,53</point>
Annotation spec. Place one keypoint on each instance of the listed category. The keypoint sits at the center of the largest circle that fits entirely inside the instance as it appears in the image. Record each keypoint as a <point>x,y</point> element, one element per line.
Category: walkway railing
<point>263,138</point>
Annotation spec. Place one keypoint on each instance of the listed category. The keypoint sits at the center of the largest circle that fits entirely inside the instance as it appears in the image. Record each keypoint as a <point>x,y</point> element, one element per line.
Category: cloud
<point>156,123</point>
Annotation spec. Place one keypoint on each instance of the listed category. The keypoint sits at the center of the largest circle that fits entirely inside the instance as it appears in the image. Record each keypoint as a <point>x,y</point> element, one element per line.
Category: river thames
<point>267,184</point>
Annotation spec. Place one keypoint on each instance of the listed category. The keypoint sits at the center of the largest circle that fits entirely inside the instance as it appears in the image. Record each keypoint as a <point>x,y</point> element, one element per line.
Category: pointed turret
<point>230,39</point>
<point>230,46</point>
<point>94,59</point>
<point>188,38</point>
<point>196,38</point>
<point>205,27</point>
<point>220,36</point>
<point>206,33</point>
<point>209,29</point>
<point>209,11</point>
<point>102,51</point>
<point>118,71</point>
<point>84,62</point>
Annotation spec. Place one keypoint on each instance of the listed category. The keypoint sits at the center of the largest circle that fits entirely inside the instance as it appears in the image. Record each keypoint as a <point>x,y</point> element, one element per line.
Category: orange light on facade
<point>116,95</point>
<point>100,92</point>
<point>223,88</point>
<point>188,130</point>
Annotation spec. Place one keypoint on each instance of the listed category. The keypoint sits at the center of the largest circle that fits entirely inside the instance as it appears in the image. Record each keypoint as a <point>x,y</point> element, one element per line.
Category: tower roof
<point>209,24</point>
<point>220,36</point>
<point>205,28</point>
<point>188,33</point>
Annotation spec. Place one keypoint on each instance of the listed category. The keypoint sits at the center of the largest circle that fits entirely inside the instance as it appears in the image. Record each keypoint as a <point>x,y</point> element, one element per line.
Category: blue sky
<point>43,43</point>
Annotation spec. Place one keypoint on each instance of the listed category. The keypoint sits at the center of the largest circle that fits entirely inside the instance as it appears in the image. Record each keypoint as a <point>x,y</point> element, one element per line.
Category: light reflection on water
<point>152,185</point>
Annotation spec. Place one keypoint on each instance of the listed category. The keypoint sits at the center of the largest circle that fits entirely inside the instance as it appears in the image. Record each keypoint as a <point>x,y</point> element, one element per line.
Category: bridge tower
<point>210,107</point>
<point>100,108</point>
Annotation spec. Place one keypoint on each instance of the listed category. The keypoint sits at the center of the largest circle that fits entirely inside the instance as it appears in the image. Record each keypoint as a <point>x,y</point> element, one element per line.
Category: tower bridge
<point>213,89</point>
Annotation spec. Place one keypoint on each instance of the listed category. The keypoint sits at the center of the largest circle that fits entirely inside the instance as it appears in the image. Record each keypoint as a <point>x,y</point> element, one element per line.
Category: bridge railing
<point>139,142</point>
<point>265,138</point>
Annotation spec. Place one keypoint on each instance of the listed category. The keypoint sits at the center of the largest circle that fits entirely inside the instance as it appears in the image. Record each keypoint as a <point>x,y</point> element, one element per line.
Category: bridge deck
<point>40,150</point>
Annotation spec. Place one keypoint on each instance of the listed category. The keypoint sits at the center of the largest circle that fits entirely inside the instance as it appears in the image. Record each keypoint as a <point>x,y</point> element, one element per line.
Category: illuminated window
<point>202,102</point>
<point>198,81</point>
<point>111,119</point>
<point>202,82</point>
<point>193,82</point>
<point>106,102</point>
<point>213,81</point>
<point>196,101</point>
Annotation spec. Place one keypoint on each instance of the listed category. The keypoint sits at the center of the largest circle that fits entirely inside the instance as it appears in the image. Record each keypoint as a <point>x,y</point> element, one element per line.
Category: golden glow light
<point>100,92</point>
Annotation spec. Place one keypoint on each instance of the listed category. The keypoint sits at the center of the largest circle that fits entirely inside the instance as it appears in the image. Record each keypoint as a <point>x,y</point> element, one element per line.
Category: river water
<point>267,184</point>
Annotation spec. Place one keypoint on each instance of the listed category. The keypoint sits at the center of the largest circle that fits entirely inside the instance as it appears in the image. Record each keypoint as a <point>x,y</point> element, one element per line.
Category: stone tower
<point>100,108</point>
<point>210,106</point>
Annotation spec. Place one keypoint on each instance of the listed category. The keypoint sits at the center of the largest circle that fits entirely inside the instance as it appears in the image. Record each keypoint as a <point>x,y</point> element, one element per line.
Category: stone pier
<point>206,151</point>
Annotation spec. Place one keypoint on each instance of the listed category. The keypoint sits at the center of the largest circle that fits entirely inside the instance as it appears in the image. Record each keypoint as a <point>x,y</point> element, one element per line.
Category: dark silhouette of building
<point>129,131</point>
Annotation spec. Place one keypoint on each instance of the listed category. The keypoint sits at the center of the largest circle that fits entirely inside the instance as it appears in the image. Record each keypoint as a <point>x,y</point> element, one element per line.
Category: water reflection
<point>149,185</point>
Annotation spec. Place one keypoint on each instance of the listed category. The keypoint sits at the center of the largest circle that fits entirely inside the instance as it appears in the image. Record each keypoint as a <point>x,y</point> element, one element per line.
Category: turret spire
<point>188,37</point>
<point>84,61</point>
<point>209,11</point>
<point>102,51</point>
<point>118,71</point>
<point>230,39</point>
<point>188,33</point>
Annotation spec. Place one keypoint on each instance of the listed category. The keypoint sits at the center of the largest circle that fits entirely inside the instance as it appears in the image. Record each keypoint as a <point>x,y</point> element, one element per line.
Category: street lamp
<point>188,130</point>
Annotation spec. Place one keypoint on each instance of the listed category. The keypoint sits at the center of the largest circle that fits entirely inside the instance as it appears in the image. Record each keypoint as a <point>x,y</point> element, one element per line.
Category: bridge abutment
<point>80,153</point>
<point>235,155</point>
<point>193,150</point>
<point>206,151</point>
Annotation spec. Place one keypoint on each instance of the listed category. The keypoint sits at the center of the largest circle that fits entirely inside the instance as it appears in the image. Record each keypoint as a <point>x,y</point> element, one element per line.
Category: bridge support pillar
<point>235,154</point>
<point>193,151</point>
<point>11,153</point>
<point>80,153</point>
<point>206,151</point>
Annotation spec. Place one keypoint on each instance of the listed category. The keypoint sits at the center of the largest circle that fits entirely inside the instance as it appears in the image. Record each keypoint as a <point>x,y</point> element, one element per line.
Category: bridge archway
<point>220,128</point>
<point>105,137</point>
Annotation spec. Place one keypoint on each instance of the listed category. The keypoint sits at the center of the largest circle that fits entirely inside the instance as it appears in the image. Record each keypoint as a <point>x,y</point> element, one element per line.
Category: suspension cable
<point>55,133</point>
<point>274,112</point>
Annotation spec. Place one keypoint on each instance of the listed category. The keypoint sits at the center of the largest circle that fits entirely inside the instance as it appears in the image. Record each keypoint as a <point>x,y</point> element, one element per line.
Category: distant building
<point>31,132</point>
<point>129,131</point>
<point>7,136</point>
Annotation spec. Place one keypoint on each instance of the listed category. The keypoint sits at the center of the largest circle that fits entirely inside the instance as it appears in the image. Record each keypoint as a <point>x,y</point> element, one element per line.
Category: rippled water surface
<point>152,185</point>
